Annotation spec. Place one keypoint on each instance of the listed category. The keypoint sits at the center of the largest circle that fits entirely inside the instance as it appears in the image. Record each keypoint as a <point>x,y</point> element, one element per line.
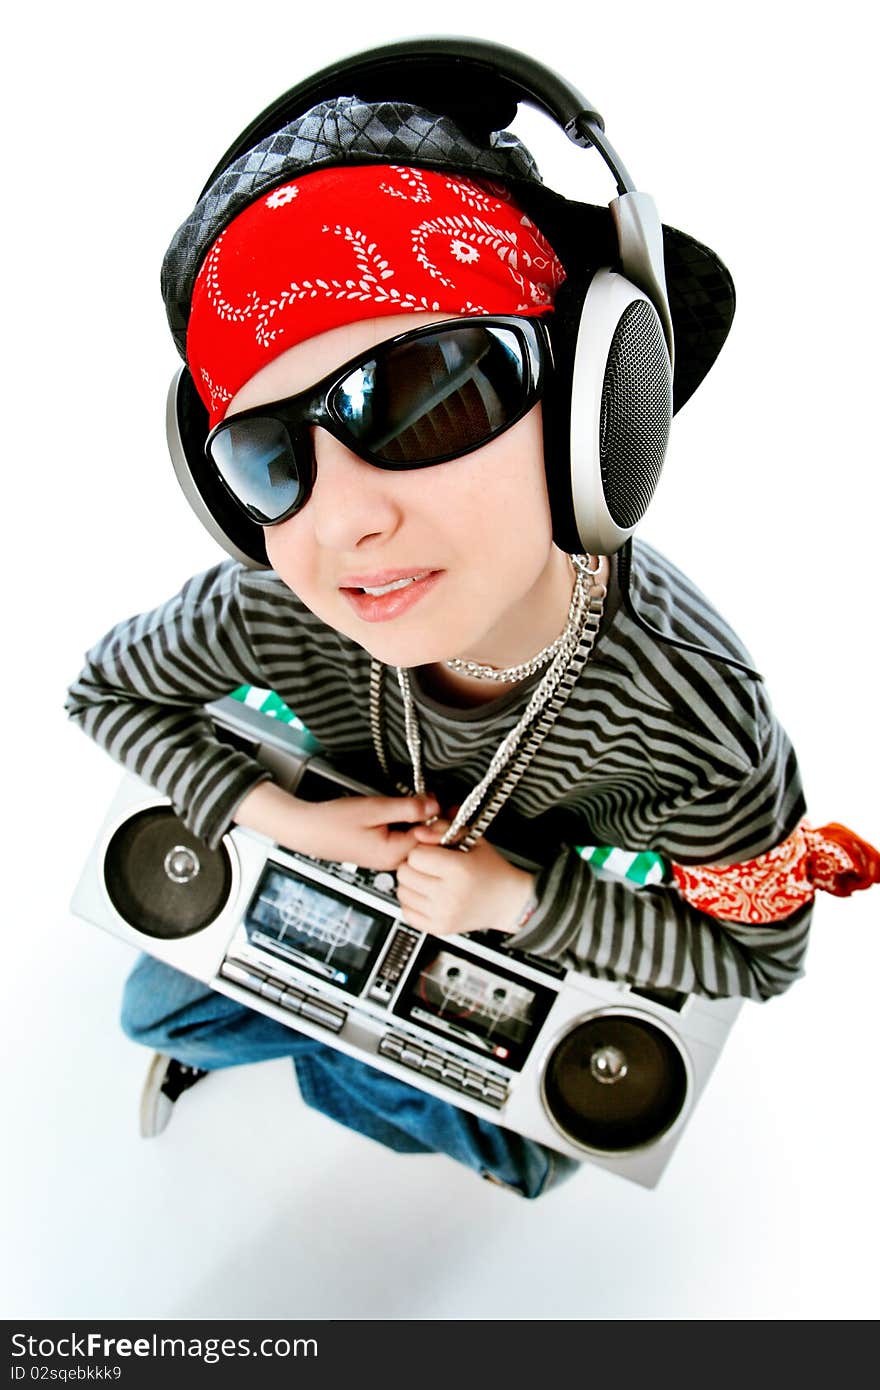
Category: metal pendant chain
<point>411,729</point>
<point>512,754</point>
<point>478,672</point>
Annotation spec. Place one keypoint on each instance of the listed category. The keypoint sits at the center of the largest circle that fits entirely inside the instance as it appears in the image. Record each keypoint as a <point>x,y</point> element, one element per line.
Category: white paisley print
<point>359,241</point>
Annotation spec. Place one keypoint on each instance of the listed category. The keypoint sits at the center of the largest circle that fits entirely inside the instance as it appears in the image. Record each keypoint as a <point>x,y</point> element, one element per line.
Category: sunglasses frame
<point>314,405</point>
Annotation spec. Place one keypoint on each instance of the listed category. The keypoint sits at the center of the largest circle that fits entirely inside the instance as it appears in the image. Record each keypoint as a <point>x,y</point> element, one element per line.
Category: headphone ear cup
<point>186,422</point>
<point>614,394</point>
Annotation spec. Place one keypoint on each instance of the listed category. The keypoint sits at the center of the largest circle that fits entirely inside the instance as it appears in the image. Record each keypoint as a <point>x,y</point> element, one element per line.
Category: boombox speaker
<point>600,1070</point>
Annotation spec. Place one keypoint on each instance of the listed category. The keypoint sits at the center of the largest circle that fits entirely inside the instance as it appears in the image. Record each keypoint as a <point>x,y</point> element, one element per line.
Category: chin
<point>407,641</point>
<point>400,650</point>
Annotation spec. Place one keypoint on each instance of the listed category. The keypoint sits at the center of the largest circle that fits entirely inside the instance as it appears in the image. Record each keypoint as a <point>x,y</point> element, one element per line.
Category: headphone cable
<point>624,571</point>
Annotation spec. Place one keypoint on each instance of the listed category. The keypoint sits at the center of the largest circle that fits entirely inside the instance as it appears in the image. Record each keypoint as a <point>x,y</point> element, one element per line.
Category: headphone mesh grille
<point>636,413</point>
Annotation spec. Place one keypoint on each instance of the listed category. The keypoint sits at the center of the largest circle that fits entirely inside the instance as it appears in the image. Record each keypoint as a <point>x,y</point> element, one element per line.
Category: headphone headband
<point>478,85</point>
<point>475,82</point>
<point>482,82</point>
<point>446,103</point>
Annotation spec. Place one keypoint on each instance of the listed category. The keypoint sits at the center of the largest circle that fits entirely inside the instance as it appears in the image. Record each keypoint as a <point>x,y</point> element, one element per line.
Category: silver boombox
<point>602,1071</point>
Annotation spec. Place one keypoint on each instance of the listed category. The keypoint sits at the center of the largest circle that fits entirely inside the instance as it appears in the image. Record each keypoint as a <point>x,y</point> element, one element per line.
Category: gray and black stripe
<point>658,748</point>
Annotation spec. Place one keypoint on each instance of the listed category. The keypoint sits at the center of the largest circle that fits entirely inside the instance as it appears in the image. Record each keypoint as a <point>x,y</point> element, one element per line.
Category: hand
<point>357,829</point>
<point>442,890</point>
<point>353,829</point>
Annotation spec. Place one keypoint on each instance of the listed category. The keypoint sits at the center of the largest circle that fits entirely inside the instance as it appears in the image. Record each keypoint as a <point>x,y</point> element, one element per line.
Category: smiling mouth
<point>376,603</point>
<point>395,584</point>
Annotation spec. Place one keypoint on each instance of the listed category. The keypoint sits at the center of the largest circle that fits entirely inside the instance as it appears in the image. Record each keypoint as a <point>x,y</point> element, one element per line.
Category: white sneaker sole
<point>155,1109</point>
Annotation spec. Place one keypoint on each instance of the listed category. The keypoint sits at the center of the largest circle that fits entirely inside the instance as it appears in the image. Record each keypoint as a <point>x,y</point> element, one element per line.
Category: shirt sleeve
<point>651,936</point>
<point>141,692</point>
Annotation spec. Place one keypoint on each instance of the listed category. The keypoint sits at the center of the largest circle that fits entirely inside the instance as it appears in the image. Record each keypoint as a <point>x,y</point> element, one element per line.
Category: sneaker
<point>166,1080</point>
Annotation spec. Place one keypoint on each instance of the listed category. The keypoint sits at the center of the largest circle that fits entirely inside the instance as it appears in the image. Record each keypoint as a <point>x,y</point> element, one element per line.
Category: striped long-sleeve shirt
<point>657,748</point>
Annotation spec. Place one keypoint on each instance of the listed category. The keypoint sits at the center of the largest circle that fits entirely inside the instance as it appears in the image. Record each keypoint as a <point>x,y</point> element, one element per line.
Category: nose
<point>352,503</point>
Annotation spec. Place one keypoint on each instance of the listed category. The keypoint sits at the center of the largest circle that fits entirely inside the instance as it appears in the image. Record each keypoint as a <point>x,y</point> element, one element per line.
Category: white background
<point>755,128</point>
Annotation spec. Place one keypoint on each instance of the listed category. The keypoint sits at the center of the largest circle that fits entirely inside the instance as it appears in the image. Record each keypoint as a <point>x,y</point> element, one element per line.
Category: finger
<point>431,834</point>
<point>410,899</point>
<point>388,810</point>
<point>412,881</point>
<point>424,921</point>
<point>430,860</point>
<point>421,921</point>
<point>399,844</point>
<point>413,918</point>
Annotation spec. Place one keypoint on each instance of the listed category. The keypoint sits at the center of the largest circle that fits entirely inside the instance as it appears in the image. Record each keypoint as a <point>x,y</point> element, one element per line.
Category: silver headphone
<point>614,352</point>
<point>640,319</point>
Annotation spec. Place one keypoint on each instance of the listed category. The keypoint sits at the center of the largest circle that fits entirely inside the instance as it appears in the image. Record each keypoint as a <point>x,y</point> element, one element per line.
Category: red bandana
<point>337,245</point>
<point>772,886</point>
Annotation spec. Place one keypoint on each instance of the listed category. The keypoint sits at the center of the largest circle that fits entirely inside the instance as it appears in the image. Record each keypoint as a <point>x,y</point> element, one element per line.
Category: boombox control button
<point>325,1014</point>
<point>270,989</point>
<point>242,974</point>
<point>440,1068</point>
<point>291,999</point>
<point>495,1093</point>
<point>384,883</point>
<point>397,957</point>
<point>473,1081</point>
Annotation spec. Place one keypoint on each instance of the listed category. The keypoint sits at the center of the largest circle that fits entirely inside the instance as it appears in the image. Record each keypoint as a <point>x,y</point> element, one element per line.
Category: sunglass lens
<point>436,395</point>
<point>257,463</point>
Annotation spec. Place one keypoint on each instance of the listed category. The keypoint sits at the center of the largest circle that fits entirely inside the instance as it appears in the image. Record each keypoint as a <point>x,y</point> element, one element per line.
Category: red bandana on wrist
<point>772,886</point>
<point>338,245</point>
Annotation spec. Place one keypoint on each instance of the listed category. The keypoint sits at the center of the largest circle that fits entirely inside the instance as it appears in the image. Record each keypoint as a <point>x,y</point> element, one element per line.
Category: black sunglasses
<point>413,401</point>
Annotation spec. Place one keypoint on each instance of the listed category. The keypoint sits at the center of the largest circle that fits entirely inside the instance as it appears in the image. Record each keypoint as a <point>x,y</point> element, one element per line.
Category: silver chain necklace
<point>515,751</point>
<point>528,668</point>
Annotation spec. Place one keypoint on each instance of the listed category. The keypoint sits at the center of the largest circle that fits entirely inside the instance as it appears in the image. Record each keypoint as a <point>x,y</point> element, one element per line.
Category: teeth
<point>396,584</point>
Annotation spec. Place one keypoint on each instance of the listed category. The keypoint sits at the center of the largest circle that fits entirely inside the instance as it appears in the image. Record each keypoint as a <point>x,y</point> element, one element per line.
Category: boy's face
<point>476,532</point>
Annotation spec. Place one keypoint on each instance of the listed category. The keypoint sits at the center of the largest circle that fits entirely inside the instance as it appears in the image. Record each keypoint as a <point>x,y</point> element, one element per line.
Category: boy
<point>375,402</point>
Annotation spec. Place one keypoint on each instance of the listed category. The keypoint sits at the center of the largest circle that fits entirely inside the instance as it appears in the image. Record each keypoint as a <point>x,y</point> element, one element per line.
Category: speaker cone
<point>161,879</point>
<point>615,1083</point>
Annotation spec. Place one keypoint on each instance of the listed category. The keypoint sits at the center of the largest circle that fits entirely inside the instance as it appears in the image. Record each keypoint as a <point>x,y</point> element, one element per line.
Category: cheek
<point>292,555</point>
<point>504,491</point>
<point>278,548</point>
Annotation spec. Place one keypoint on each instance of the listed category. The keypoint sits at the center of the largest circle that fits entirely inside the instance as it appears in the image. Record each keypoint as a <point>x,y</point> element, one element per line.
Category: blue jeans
<point>173,1013</point>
